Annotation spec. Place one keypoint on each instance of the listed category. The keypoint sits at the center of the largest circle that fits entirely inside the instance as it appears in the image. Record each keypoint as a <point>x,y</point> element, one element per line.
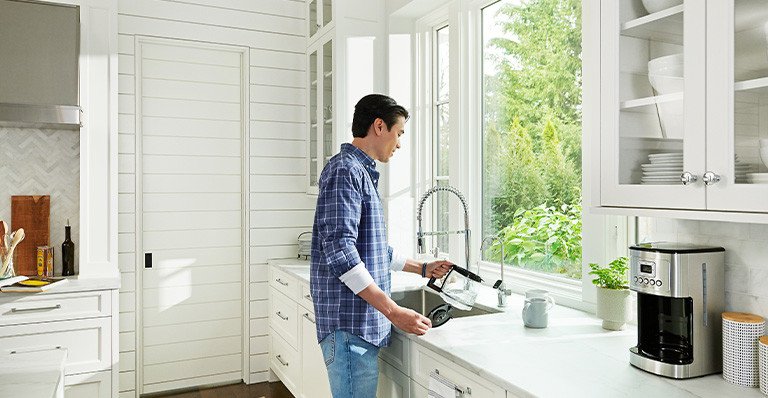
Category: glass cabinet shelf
<point>665,26</point>
<point>755,85</point>
<point>659,99</point>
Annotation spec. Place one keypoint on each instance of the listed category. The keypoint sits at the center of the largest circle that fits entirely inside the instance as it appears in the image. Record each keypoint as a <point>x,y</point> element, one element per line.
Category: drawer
<point>283,317</point>
<point>18,308</point>
<point>426,361</point>
<point>87,342</point>
<point>398,353</point>
<point>284,361</point>
<point>306,298</point>
<point>284,283</point>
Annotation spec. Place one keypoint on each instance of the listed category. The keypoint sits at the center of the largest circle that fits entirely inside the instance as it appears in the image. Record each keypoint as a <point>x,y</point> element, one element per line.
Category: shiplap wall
<point>279,207</point>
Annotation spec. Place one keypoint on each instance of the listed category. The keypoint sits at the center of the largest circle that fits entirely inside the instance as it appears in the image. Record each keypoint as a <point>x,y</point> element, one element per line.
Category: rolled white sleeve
<point>398,261</point>
<point>357,278</point>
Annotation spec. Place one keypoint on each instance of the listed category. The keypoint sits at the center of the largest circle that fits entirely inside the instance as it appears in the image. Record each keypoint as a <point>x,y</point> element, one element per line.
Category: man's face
<point>389,140</point>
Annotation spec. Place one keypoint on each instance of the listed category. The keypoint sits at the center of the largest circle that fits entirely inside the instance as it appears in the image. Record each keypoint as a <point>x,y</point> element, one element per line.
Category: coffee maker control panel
<point>649,276</point>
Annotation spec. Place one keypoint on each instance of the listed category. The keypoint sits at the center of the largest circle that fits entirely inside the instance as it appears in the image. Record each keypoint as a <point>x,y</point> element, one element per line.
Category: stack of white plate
<point>664,169</point>
<point>741,170</point>
<point>757,178</point>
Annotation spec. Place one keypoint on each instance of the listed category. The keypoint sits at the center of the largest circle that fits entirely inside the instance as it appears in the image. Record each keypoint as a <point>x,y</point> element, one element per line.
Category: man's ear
<point>378,126</point>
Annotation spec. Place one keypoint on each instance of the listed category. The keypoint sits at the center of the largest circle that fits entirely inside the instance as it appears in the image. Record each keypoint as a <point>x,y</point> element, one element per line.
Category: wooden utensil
<point>16,238</point>
<point>31,213</point>
<point>3,248</point>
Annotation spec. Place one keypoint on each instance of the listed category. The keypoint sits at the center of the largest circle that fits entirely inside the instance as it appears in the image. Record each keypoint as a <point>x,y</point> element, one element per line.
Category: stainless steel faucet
<point>503,292</point>
<point>420,249</point>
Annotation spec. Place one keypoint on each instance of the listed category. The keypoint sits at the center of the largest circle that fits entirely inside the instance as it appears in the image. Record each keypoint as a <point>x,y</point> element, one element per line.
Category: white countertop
<point>36,374</point>
<point>585,359</point>
<point>78,284</point>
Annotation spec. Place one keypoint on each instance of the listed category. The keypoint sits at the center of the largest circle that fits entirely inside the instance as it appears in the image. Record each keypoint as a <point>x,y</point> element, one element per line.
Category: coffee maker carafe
<point>680,296</point>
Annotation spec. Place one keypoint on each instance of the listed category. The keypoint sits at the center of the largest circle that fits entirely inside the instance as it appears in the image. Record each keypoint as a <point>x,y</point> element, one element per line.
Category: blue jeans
<point>353,367</point>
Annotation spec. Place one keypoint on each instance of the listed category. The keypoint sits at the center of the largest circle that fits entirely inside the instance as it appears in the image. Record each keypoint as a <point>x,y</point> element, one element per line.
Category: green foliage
<point>543,238</point>
<point>612,277</point>
<point>532,147</point>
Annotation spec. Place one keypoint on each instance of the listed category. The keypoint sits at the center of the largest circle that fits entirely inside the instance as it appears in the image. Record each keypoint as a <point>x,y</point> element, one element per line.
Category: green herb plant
<point>614,276</point>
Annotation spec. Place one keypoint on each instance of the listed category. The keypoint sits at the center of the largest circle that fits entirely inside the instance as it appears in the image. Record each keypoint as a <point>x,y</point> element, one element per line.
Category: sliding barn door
<point>190,122</point>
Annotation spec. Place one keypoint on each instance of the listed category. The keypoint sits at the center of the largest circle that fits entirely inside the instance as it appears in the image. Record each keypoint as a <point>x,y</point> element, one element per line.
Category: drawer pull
<point>280,314</point>
<point>279,358</point>
<point>52,307</point>
<point>280,281</point>
<point>463,392</point>
<point>27,350</point>
<point>306,315</point>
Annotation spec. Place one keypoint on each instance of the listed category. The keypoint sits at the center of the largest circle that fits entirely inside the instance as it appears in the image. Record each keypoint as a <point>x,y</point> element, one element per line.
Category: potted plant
<point>612,293</point>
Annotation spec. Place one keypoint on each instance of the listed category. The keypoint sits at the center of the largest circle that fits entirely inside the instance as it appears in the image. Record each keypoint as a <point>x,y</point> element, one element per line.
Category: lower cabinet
<point>295,355</point>
<point>314,376</point>
<point>392,382</point>
<point>94,385</point>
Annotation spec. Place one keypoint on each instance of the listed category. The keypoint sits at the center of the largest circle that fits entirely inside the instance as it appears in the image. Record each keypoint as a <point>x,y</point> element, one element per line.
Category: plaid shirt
<point>349,229</point>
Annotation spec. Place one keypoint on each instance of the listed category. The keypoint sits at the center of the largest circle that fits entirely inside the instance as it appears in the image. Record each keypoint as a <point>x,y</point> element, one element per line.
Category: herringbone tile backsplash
<point>43,162</point>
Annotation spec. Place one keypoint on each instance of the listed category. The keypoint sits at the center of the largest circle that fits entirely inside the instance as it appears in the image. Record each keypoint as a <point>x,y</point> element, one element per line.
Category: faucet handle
<point>497,284</point>
<point>502,287</point>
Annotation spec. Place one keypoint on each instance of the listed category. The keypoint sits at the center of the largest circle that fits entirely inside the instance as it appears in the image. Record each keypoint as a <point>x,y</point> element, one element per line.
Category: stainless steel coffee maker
<point>680,296</point>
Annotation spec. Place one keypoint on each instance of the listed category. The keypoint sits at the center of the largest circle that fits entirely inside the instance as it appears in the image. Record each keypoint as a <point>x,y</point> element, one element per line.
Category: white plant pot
<point>613,307</point>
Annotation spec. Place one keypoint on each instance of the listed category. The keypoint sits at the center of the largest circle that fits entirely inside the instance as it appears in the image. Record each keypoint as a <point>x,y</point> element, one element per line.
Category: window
<point>441,135</point>
<point>531,134</point>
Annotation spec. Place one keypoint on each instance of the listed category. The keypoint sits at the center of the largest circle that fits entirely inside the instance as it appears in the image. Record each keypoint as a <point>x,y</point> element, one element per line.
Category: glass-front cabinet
<point>320,141</point>
<point>319,17</point>
<point>684,104</point>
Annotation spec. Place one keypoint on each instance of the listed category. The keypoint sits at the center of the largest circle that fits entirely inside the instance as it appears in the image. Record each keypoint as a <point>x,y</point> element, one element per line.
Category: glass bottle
<point>68,252</point>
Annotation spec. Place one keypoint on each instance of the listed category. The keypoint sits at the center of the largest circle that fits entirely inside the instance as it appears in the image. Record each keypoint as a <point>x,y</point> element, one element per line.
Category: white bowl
<point>764,155</point>
<point>658,5</point>
<point>669,65</point>
<point>666,84</point>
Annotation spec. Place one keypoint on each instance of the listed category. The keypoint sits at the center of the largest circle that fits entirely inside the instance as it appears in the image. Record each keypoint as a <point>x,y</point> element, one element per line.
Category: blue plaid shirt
<point>349,229</point>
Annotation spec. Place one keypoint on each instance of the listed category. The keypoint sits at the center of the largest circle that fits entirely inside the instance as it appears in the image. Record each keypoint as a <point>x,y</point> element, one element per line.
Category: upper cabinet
<point>683,106</point>
<point>345,61</point>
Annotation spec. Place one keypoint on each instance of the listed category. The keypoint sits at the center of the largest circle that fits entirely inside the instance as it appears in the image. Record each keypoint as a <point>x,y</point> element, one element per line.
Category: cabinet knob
<point>711,178</point>
<point>688,178</point>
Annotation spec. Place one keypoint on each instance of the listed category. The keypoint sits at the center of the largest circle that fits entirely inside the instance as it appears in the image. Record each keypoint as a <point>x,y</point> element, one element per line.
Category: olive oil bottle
<point>68,252</point>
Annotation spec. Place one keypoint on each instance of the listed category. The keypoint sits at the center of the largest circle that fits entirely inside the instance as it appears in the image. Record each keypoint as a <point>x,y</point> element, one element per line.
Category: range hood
<point>39,71</point>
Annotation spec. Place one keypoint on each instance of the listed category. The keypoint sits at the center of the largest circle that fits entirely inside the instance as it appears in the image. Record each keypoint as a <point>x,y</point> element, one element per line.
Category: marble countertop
<point>78,284</point>
<point>36,374</point>
<point>585,359</point>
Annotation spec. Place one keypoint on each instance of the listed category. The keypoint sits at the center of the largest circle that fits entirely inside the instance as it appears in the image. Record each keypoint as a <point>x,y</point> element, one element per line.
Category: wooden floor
<point>265,390</point>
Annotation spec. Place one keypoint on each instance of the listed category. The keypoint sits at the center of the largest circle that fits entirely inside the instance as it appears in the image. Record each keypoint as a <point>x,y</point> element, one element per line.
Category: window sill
<point>566,292</point>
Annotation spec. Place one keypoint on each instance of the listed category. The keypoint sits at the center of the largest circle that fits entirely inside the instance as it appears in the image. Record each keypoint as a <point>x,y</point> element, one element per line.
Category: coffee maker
<point>680,296</point>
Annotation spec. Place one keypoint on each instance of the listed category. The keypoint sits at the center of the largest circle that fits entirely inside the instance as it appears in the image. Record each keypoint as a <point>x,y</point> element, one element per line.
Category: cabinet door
<point>652,98</point>
<point>392,383</point>
<point>737,105</point>
<point>88,385</point>
<point>314,375</point>
<point>313,132</point>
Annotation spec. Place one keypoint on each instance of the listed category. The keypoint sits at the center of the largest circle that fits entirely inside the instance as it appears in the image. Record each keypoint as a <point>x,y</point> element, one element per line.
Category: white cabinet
<point>314,375</point>
<point>392,382</point>
<point>345,49</point>
<point>683,107</point>
<point>80,322</point>
<point>425,361</point>
<point>295,355</point>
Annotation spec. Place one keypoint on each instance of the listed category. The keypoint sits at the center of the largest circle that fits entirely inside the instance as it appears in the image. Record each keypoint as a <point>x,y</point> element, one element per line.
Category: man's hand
<point>438,269</point>
<point>410,321</point>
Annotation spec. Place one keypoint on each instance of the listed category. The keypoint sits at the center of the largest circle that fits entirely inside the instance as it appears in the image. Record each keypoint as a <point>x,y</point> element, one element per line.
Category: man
<point>351,260</point>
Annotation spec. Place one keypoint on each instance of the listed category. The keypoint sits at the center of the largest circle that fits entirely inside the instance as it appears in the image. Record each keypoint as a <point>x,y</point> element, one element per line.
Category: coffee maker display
<point>680,296</point>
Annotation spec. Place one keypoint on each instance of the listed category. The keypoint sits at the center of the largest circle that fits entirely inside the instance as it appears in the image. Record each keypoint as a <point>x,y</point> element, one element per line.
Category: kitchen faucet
<point>503,292</point>
<point>421,234</point>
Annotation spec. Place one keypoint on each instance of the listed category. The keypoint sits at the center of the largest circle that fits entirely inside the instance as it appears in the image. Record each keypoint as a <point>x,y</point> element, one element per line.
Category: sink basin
<point>423,301</point>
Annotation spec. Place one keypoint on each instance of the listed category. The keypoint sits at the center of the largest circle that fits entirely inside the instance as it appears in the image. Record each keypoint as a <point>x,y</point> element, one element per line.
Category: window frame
<point>603,237</point>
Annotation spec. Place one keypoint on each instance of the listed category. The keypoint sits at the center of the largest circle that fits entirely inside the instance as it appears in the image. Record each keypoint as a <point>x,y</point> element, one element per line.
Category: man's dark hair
<point>374,106</point>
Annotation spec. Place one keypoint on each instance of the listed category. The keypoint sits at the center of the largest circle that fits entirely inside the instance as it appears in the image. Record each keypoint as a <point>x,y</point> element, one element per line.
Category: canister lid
<point>743,317</point>
<point>673,248</point>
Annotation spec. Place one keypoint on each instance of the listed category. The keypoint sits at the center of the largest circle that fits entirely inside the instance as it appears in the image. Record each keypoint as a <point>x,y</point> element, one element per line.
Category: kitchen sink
<point>423,301</point>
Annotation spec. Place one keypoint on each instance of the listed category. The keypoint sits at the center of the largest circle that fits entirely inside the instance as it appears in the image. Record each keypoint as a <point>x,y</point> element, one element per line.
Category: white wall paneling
<point>273,31</point>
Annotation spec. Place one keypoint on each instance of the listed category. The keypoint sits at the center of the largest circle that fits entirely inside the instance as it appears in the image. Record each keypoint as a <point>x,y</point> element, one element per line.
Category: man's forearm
<point>378,299</point>
<point>413,266</point>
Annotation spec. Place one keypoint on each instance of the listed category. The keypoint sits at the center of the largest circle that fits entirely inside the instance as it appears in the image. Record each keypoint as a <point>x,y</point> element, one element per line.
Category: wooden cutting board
<point>31,213</point>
